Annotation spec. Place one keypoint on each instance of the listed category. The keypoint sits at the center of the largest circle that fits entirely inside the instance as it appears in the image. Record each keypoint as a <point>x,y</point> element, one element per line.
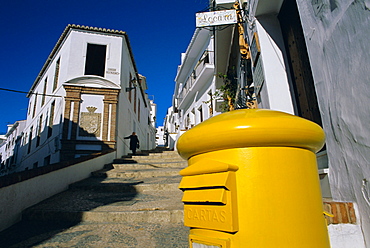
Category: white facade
<point>193,100</point>
<point>160,136</point>
<point>10,147</point>
<point>153,113</point>
<point>171,125</point>
<point>87,97</point>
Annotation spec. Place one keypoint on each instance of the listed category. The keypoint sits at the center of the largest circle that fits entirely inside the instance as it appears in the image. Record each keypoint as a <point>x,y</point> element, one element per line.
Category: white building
<point>153,113</point>
<point>171,127</point>
<point>9,148</point>
<point>194,96</point>
<point>211,63</point>
<point>87,97</point>
<point>160,136</point>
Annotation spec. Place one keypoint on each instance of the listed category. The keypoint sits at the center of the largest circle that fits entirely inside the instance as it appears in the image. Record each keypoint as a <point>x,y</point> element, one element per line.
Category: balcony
<point>201,74</point>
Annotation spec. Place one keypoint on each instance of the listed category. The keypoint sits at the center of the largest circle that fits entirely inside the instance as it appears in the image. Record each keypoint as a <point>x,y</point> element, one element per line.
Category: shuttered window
<point>95,59</point>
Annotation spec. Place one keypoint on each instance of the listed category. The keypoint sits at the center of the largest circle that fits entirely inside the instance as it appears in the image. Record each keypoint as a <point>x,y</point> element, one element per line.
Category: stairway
<point>133,202</point>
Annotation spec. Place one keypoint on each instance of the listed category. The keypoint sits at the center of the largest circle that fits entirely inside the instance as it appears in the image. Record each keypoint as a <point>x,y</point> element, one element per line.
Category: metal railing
<point>192,79</point>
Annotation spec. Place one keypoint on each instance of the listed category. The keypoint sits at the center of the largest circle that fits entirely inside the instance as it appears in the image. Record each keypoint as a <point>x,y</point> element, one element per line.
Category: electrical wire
<point>25,92</point>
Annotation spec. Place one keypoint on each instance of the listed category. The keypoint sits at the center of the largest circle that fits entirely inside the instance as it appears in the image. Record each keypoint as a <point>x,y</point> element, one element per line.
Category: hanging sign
<point>215,18</point>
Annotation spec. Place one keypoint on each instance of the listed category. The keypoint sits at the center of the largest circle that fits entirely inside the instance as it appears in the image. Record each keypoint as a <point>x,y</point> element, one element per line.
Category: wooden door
<point>298,61</point>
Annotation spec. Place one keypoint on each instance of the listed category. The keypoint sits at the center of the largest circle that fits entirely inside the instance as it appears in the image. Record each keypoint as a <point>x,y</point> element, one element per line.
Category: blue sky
<point>159,31</point>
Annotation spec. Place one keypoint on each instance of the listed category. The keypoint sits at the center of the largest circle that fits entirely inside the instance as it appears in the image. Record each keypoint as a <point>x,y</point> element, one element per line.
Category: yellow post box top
<point>251,128</point>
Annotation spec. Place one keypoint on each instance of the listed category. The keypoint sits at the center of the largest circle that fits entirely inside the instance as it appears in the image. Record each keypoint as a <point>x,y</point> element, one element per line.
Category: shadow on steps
<point>59,220</point>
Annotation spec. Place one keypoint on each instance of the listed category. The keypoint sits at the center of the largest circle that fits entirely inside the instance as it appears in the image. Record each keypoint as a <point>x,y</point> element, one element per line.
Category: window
<point>56,75</point>
<point>130,86</point>
<point>95,59</point>
<point>211,103</point>
<point>24,140</point>
<point>39,132</point>
<point>192,120</point>
<point>47,160</point>
<point>30,140</point>
<point>44,93</point>
<point>29,108</point>
<point>200,114</point>
<point>34,106</point>
<point>187,121</point>
<point>206,57</point>
<point>135,100</point>
<point>51,119</point>
<point>138,110</point>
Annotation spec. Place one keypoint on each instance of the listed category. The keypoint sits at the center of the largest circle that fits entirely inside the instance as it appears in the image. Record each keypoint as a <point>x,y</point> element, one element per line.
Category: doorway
<point>298,61</point>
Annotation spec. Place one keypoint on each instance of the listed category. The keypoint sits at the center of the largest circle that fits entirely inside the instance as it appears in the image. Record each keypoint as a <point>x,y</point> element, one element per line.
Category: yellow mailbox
<point>252,181</point>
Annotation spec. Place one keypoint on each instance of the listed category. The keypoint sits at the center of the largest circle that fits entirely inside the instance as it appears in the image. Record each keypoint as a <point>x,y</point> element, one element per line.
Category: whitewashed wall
<point>276,84</point>
<point>160,136</point>
<point>77,54</point>
<point>337,35</point>
<point>72,53</point>
<point>127,119</point>
<point>17,197</point>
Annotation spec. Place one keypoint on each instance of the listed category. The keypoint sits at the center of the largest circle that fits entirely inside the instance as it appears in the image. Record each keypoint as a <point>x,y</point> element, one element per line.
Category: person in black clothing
<point>134,142</point>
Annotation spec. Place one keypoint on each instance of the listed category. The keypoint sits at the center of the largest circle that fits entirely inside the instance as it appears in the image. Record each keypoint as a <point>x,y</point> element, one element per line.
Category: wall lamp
<point>134,82</point>
<point>129,88</point>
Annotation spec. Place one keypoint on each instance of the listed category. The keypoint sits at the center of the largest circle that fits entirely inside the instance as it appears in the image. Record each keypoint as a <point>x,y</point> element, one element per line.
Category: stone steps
<point>149,165</point>
<point>148,161</point>
<point>137,174</point>
<point>147,215</point>
<point>104,201</point>
<point>164,155</point>
<point>115,193</point>
<point>125,185</point>
<point>140,191</point>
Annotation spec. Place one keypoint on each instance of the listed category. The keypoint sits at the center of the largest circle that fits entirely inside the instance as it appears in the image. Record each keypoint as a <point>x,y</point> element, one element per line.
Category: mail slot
<point>210,199</point>
<point>213,196</point>
<point>252,181</point>
<point>207,242</point>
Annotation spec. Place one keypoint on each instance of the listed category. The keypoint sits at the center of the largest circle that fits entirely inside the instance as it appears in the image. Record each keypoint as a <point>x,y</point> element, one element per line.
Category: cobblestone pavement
<point>102,235</point>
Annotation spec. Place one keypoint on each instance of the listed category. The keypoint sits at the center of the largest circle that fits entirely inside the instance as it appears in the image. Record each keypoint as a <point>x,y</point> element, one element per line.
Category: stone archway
<point>84,131</point>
